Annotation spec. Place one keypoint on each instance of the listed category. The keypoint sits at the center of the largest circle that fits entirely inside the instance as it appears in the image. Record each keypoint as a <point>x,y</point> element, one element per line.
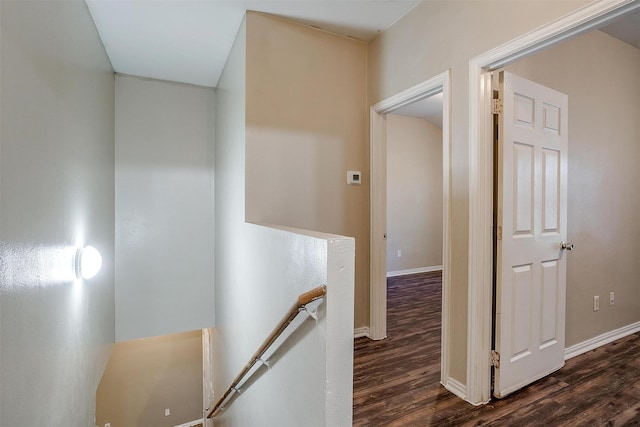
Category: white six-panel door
<point>532,224</point>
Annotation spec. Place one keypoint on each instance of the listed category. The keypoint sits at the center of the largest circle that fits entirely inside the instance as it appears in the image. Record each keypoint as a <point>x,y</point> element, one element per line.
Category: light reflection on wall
<point>24,266</point>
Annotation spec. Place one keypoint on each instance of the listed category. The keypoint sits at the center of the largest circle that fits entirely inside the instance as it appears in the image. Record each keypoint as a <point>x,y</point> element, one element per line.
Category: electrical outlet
<point>399,253</point>
<point>612,298</point>
<point>167,412</point>
<point>596,303</point>
<point>107,425</point>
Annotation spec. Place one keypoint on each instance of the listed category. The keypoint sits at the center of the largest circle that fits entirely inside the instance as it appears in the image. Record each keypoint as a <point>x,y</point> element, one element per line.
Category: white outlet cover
<point>107,425</point>
<point>167,412</point>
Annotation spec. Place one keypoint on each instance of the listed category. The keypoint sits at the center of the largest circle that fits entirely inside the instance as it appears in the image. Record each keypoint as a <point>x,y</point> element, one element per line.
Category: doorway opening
<point>480,269</point>
<point>438,85</point>
<point>414,188</point>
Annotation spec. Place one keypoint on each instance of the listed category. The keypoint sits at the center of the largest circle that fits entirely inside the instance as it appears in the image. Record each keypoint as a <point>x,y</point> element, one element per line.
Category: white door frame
<point>479,326</point>
<point>378,272</point>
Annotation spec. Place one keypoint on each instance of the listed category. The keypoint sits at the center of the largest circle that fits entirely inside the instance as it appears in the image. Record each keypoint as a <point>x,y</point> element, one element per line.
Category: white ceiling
<point>188,40</point>
<point>429,109</point>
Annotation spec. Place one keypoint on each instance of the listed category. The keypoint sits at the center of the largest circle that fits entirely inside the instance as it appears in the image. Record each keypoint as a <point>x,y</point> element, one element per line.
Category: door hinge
<point>496,106</point>
<point>495,358</point>
<point>499,233</point>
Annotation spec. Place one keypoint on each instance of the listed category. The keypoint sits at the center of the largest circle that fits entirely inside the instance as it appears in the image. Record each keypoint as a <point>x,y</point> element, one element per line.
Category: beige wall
<point>145,376</point>
<point>306,127</point>
<point>433,37</point>
<point>600,75</point>
<point>414,193</point>
<point>56,192</point>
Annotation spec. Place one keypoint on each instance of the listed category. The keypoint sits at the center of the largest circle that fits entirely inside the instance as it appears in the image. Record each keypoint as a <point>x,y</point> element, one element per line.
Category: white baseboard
<point>362,332</point>
<point>456,387</point>
<point>191,423</point>
<point>600,340</point>
<point>414,271</point>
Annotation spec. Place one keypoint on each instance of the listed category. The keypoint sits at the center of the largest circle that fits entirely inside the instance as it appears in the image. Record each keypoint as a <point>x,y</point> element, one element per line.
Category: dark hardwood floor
<point>397,380</point>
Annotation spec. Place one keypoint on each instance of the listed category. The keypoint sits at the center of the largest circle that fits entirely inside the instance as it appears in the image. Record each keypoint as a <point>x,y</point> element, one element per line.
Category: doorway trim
<point>378,230</point>
<point>480,286</point>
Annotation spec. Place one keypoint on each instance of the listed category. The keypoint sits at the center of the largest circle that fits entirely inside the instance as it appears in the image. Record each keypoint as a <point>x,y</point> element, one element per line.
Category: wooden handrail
<point>303,300</point>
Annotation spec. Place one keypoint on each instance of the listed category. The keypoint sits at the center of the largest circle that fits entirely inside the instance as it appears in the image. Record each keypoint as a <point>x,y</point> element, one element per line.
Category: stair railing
<point>300,306</point>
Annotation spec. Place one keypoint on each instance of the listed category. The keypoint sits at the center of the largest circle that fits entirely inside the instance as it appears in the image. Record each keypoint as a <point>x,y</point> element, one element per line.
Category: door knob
<point>566,246</point>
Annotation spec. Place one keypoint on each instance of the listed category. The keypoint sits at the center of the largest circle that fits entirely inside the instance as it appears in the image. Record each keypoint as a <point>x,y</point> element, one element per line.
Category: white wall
<point>414,194</point>
<point>310,380</point>
<point>56,192</point>
<point>259,274</point>
<point>164,207</point>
